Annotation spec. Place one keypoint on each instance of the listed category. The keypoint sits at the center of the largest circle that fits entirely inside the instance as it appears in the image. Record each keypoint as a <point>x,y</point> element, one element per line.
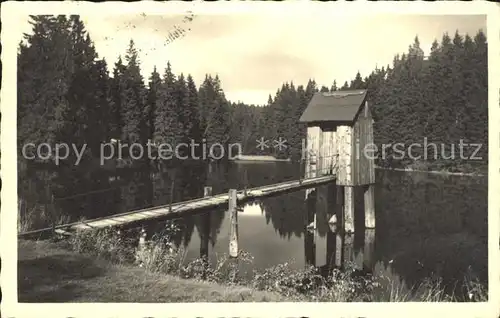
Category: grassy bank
<point>49,272</point>
<point>101,266</point>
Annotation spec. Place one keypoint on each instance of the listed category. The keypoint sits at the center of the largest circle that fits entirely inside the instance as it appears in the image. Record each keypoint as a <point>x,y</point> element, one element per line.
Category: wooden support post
<point>233,234</point>
<point>339,206</point>
<point>52,209</point>
<point>142,240</point>
<point>309,249</point>
<point>207,191</point>
<point>330,249</point>
<point>339,249</point>
<point>349,209</point>
<point>369,198</point>
<point>49,207</point>
<point>246,182</point>
<point>333,216</point>
<point>204,236</point>
<point>205,233</point>
<point>369,250</point>
<point>320,259</point>
<point>171,195</point>
<point>319,161</point>
<point>300,174</point>
<point>309,229</point>
<point>349,248</point>
<point>233,229</point>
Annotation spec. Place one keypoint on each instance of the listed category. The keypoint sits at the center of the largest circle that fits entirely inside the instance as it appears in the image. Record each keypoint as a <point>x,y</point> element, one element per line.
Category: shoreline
<point>271,159</point>
<point>463,174</point>
<point>258,158</point>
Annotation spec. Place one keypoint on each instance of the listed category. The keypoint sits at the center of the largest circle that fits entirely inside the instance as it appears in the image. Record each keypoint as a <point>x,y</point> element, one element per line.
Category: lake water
<point>426,224</point>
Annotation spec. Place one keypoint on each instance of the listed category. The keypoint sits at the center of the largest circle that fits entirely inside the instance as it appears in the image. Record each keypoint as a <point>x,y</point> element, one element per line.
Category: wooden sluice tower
<point>340,141</point>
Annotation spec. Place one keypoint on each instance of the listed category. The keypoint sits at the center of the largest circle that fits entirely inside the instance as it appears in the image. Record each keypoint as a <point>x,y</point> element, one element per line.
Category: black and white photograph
<point>189,152</point>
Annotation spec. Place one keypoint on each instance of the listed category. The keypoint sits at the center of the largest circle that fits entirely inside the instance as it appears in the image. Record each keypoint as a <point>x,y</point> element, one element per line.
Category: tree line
<point>66,95</point>
<point>439,99</point>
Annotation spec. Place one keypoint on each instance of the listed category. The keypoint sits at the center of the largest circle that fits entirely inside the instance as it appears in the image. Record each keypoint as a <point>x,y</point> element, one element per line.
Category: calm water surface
<point>427,224</point>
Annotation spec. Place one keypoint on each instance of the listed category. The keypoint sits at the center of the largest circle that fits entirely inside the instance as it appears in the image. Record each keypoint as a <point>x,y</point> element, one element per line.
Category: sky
<point>253,54</point>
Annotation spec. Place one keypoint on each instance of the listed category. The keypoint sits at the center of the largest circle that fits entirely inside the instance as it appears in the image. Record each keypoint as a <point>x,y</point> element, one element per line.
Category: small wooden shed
<point>340,141</point>
<point>339,129</point>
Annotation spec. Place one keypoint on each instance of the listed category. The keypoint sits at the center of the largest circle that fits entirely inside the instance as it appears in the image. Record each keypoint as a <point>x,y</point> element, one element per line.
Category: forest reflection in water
<point>427,224</point>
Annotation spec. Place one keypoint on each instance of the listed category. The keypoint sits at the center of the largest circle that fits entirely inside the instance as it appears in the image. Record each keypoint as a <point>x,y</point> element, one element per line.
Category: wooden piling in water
<point>205,230</point>
<point>330,249</point>
<point>207,191</point>
<point>142,240</point>
<point>348,247</point>
<point>233,234</point>
<point>233,227</point>
<point>310,229</point>
<point>369,199</point>
<point>369,249</point>
<point>52,209</point>
<point>339,249</point>
<point>309,249</point>
<point>349,209</point>
<point>339,205</point>
<point>171,194</point>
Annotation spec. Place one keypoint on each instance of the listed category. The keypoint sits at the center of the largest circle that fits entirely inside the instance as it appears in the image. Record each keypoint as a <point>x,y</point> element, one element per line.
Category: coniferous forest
<point>67,94</point>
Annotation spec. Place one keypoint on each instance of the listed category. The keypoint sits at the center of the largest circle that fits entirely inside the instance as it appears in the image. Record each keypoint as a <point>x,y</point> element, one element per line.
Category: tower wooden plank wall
<point>347,148</point>
<point>362,155</point>
<point>312,151</point>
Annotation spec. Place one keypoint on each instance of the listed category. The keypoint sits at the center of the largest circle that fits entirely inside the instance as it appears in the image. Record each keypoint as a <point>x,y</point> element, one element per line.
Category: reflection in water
<point>427,224</point>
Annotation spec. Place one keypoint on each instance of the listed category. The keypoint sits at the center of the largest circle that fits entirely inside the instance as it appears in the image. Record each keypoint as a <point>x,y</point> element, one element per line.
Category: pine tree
<point>334,86</point>
<point>117,85</point>
<point>100,115</point>
<point>345,86</point>
<point>133,95</point>
<point>480,99</point>
<point>45,67</point>
<point>357,83</point>
<point>182,110</point>
<point>193,116</point>
<point>214,110</point>
<point>153,100</point>
<point>88,91</point>
<point>166,120</point>
<point>44,72</point>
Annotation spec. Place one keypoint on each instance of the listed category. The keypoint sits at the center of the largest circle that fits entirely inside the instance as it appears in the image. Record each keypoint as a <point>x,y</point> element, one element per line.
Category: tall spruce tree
<point>166,119</point>
<point>153,100</point>
<point>192,113</point>
<point>133,97</point>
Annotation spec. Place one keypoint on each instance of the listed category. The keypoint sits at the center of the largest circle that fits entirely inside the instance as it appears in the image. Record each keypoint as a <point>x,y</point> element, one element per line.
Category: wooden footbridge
<point>182,208</point>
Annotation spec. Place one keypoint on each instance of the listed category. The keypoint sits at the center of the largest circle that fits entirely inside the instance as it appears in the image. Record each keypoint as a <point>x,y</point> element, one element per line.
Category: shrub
<point>107,243</point>
<point>159,256</point>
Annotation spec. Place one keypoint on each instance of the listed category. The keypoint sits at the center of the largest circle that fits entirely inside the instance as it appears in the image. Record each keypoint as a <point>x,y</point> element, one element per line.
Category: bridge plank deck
<point>181,208</point>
